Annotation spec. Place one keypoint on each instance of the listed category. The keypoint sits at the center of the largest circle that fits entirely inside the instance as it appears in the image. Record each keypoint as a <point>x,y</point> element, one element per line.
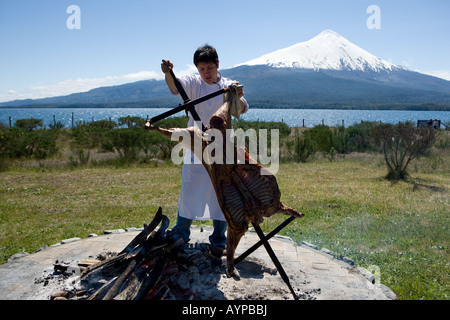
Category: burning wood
<point>155,266</point>
<point>136,272</point>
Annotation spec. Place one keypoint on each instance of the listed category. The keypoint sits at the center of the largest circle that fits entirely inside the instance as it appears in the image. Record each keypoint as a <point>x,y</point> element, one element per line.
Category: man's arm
<point>166,66</point>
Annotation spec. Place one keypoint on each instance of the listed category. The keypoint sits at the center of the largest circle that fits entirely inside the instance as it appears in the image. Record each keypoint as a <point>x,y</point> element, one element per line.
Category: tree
<point>299,148</point>
<point>320,137</point>
<point>132,122</point>
<point>28,124</point>
<point>400,144</point>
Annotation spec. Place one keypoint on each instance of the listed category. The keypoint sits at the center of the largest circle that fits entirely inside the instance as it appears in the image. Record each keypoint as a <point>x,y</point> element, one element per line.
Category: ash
<point>194,275</point>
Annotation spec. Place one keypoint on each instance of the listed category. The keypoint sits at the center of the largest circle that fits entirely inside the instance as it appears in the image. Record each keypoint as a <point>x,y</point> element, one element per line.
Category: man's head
<point>207,62</point>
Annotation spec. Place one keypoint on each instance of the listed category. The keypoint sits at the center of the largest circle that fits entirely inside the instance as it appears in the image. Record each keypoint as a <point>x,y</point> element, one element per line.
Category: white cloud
<point>85,84</point>
<point>443,74</point>
<point>70,86</point>
<point>191,69</point>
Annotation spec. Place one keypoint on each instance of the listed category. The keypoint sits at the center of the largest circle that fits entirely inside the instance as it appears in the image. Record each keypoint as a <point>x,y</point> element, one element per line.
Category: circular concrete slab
<point>312,273</point>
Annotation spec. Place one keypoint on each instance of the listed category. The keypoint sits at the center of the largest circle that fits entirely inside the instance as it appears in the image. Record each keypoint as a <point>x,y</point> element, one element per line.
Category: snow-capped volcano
<point>329,51</point>
<point>327,71</point>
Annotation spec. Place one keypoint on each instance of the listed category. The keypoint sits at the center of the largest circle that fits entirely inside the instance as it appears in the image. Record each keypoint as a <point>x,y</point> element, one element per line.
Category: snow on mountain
<point>329,51</point>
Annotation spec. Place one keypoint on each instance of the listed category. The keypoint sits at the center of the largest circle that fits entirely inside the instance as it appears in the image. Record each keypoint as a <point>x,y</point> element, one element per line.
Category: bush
<point>42,143</point>
<point>28,124</point>
<point>173,122</point>
<point>56,125</point>
<point>131,142</point>
<point>319,138</point>
<point>283,128</point>
<point>103,124</point>
<point>356,138</point>
<point>127,142</point>
<point>299,148</point>
<point>132,122</point>
<point>156,145</point>
<point>90,135</point>
<point>359,137</point>
<point>400,144</point>
<point>17,143</point>
<point>341,139</point>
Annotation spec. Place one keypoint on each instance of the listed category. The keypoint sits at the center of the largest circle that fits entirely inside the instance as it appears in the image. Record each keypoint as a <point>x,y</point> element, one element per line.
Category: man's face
<point>208,71</point>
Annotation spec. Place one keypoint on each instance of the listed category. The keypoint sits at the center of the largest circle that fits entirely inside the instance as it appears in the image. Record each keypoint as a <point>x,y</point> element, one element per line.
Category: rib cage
<point>243,193</point>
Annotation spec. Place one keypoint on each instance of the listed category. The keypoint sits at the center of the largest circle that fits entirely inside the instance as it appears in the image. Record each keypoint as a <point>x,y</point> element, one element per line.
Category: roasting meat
<point>243,192</point>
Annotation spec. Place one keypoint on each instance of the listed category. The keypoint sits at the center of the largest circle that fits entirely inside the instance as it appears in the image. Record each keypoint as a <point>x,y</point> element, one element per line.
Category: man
<point>198,200</point>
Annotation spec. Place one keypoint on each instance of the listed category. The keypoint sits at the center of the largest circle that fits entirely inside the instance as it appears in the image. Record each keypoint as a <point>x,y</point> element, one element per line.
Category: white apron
<point>198,200</point>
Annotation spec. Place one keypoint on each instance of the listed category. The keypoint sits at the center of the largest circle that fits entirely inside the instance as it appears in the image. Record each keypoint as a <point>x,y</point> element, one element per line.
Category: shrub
<point>17,143</point>
<point>320,138</point>
<point>356,138</point>
<point>104,124</point>
<point>400,144</point>
<point>173,122</point>
<point>359,139</point>
<point>340,139</point>
<point>127,142</point>
<point>283,128</point>
<point>299,148</point>
<point>132,122</point>
<point>28,124</point>
<point>90,135</point>
<point>156,145</point>
<point>42,143</point>
<point>56,125</point>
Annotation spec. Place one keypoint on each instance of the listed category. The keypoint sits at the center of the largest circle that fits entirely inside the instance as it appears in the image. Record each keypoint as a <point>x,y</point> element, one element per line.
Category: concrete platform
<point>309,270</point>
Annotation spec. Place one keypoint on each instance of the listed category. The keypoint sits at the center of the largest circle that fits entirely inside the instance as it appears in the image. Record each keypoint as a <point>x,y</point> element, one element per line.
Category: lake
<point>292,117</point>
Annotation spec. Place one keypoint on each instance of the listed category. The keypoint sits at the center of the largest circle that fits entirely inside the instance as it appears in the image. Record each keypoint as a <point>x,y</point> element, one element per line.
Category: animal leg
<point>289,211</point>
<point>233,238</point>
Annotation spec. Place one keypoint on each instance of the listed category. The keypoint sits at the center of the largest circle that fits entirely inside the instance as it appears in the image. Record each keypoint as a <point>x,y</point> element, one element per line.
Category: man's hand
<point>166,66</point>
<point>240,89</point>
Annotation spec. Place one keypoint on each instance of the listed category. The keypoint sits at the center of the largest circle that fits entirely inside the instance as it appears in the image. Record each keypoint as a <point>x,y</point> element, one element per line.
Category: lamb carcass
<point>243,192</point>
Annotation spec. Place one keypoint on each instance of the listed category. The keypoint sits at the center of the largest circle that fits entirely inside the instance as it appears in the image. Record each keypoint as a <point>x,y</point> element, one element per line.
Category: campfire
<point>156,266</point>
<point>143,270</point>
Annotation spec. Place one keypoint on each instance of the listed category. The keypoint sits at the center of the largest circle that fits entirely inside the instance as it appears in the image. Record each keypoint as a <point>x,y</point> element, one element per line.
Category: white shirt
<point>198,200</point>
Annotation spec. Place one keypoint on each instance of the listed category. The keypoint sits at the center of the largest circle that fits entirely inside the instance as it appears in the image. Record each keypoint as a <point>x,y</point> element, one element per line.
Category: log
<point>100,293</point>
<point>107,264</point>
<point>142,236</point>
<point>137,269</point>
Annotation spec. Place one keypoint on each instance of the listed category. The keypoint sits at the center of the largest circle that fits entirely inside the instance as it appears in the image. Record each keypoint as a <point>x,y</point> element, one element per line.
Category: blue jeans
<point>217,238</point>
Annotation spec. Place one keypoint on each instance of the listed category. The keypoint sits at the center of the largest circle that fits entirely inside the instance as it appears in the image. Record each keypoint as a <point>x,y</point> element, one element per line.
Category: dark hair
<point>206,54</point>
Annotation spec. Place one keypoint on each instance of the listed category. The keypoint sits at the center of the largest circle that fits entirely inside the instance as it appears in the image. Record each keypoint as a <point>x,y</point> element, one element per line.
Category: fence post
<point>10,122</point>
<point>72,120</point>
<point>303,123</point>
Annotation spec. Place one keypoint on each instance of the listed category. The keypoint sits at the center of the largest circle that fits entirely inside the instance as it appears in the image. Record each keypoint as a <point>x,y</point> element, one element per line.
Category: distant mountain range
<point>327,71</point>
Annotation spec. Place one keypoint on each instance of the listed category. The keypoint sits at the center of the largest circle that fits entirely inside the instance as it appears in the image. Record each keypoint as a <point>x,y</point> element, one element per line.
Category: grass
<point>41,207</point>
<point>403,227</point>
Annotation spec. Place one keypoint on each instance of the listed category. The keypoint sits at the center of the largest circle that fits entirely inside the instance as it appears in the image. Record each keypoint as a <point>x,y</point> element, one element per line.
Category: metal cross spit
<point>189,106</point>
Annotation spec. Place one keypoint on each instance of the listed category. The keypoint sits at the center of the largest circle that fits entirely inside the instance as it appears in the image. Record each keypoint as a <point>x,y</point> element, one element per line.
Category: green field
<point>401,227</point>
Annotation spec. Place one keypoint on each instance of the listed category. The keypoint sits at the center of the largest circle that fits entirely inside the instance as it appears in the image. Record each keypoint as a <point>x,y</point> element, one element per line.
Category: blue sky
<point>124,41</point>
